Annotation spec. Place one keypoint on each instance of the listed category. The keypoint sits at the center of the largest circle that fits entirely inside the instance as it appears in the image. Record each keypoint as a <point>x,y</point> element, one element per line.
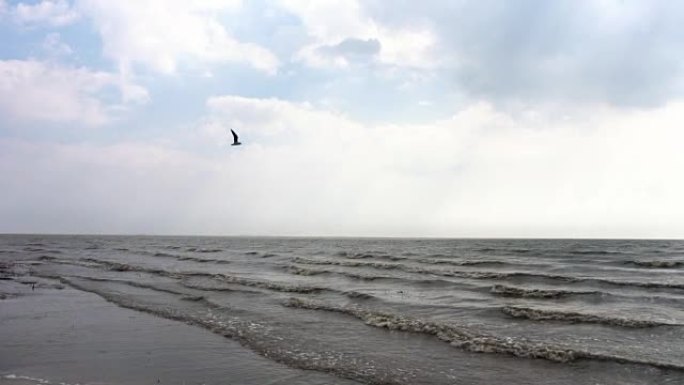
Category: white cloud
<point>409,47</point>
<point>331,20</point>
<point>54,46</point>
<point>481,173</point>
<point>54,13</point>
<point>275,117</point>
<point>330,23</point>
<point>37,91</point>
<point>303,170</point>
<point>163,34</point>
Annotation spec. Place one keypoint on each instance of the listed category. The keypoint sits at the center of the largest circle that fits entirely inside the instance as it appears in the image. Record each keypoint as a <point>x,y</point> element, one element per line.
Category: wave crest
<point>657,264</point>
<point>571,317</point>
<point>468,340</point>
<point>510,291</point>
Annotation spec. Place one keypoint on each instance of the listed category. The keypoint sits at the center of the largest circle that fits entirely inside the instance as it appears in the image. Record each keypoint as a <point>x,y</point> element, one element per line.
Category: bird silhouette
<point>236,142</point>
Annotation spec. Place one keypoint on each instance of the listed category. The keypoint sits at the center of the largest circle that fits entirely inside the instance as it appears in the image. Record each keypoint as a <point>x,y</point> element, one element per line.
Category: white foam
<point>33,379</point>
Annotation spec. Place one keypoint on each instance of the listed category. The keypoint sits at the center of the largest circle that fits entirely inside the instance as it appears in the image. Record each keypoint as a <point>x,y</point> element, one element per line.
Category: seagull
<point>235,138</point>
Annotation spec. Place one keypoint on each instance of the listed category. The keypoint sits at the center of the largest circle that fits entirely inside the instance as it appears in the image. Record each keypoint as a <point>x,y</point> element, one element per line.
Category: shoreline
<point>59,335</point>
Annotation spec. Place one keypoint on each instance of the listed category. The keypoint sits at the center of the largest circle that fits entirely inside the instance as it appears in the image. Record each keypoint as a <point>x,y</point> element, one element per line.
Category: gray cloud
<point>623,53</point>
<point>352,49</point>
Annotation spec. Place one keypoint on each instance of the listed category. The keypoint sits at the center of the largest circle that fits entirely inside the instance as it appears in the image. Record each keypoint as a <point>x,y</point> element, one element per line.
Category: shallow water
<point>396,311</point>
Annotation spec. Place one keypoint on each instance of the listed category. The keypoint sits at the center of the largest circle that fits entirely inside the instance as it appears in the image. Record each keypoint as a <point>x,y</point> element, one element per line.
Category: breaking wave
<point>256,337</point>
<point>358,295</point>
<point>553,315</point>
<point>350,255</point>
<point>510,291</point>
<point>202,250</point>
<point>217,280</point>
<point>657,264</point>
<point>463,262</point>
<point>262,255</point>
<point>594,252</point>
<point>180,257</point>
<point>512,250</point>
<point>302,271</point>
<point>118,266</point>
<point>452,334</point>
<point>493,275</point>
<point>466,339</point>
<point>120,281</point>
<point>297,270</point>
<point>269,285</point>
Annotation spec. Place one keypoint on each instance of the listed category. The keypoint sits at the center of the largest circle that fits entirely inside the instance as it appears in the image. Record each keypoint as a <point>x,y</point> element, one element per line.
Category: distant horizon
<point>340,237</point>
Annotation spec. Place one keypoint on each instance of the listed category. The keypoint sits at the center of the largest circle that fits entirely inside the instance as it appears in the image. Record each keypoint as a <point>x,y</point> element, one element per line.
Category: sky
<point>482,118</point>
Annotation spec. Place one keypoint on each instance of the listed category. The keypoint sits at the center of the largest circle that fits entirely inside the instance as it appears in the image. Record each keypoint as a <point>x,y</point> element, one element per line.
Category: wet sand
<point>55,334</point>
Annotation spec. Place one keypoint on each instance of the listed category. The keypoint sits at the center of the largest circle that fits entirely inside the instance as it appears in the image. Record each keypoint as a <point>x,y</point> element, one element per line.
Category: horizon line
<point>416,237</point>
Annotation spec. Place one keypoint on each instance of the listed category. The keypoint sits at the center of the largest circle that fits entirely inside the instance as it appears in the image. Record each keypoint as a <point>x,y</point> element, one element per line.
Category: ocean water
<point>396,311</point>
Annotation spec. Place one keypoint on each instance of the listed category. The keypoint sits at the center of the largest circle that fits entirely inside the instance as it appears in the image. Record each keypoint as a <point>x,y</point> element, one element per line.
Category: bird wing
<point>235,137</point>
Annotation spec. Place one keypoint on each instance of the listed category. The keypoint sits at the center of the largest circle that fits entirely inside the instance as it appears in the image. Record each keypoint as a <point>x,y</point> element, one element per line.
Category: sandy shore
<point>53,334</point>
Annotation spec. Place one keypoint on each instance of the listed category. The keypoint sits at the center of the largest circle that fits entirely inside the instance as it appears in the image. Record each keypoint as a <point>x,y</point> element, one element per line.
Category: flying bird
<point>235,138</point>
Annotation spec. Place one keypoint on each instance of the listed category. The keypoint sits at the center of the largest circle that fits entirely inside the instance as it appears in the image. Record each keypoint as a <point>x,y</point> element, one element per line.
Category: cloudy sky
<point>483,118</point>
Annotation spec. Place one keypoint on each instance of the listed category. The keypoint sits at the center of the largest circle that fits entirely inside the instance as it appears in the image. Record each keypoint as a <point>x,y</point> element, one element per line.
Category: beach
<point>57,335</point>
<point>221,310</point>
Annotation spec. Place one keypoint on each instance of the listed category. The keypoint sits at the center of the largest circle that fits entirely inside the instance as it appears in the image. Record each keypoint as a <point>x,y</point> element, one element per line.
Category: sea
<point>397,311</point>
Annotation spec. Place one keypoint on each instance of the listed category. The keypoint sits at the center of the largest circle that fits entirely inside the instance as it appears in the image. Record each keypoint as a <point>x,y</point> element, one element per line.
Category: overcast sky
<point>507,118</point>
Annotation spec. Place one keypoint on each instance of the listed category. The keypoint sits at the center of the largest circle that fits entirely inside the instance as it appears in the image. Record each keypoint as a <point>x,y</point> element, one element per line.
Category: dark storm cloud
<point>623,53</point>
